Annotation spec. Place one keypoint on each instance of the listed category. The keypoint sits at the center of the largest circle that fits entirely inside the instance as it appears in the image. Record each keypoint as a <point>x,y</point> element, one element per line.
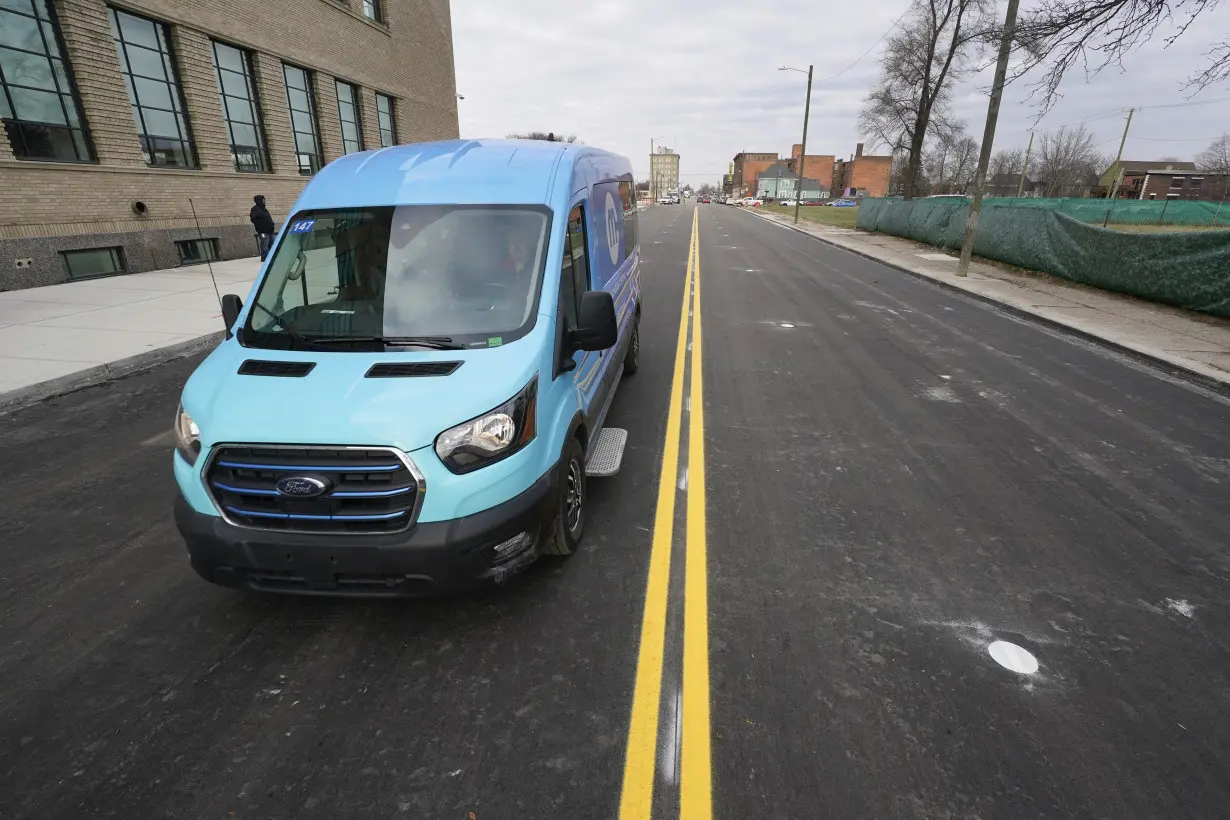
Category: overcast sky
<point>701,76</point>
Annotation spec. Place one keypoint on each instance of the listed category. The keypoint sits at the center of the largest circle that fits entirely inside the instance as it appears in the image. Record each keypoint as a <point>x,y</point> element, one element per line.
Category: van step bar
<point>606,453</point>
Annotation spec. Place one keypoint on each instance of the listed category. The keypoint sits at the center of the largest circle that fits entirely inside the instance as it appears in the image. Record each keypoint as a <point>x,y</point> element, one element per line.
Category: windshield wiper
<point>434,342</point>
<point>290,331</point>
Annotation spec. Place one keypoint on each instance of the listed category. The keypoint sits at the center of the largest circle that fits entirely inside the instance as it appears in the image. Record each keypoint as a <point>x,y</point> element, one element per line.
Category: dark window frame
<point>211,242</point>
<point>310,168</point>
<point>14,126</point>
<point>373,10</point>
<point>117,254</point>
<point>263,164</point>
<point>391,114</point>
<point>357,112</point>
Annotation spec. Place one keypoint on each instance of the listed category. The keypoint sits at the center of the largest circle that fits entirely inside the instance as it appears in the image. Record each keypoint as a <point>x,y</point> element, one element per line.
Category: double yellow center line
<point>695,766</point>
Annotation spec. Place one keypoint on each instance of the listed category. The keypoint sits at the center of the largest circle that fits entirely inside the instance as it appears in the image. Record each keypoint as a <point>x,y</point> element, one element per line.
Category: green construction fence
<point>1189,270</point>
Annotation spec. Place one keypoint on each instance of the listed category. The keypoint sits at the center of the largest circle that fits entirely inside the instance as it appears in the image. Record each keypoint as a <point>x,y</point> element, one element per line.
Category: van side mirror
<point>597,327</point>
<point>231,305</point>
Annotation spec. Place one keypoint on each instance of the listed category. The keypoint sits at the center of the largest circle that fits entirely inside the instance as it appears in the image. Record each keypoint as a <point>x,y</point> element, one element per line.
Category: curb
<point>102,374</point>
<point>1172,368</point>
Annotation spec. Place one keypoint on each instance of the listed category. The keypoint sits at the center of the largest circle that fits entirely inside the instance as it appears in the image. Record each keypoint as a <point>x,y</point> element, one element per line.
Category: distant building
<point>747,170</point>
<point>862,174</point>
<point>663,172</point>
<point>1185,185</point>
<point>1133,167</point>
<point>816,166</point>
<point>780,182</point>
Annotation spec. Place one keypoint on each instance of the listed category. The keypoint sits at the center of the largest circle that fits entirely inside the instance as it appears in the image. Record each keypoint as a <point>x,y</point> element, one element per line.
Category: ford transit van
<point>414,392</point>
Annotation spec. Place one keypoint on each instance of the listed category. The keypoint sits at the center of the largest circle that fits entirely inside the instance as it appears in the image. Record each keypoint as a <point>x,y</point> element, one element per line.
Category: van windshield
<point>443,274</point>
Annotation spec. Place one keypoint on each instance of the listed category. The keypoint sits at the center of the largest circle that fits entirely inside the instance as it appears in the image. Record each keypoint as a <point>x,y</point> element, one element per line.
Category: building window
<point>1172,196</point>
<point>38,101</point>
<point>1177,182</point>
<point>193,251</point>
<point>148,65</point>
<point>384,113</point>
<point>94,262</point>
<point>1196,182</point>
<point>371,10</point>
<point>303,119</point>
<point>241,108</point>
<point>348,111</point>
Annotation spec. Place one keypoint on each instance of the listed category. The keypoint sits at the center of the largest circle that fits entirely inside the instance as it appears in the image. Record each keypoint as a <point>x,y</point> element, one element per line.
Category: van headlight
<point>187,436</point>
<point>494,435</point>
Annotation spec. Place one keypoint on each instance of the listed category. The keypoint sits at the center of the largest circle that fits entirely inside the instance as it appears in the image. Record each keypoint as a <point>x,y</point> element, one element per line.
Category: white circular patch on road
<point>785,324</point>
<point>1014,658</point>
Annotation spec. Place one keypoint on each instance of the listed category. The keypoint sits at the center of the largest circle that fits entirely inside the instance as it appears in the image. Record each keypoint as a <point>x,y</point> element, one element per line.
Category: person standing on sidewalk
<point>263,223</point>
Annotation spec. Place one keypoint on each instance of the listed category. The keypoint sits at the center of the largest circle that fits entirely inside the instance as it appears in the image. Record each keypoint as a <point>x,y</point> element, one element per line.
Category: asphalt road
<point>896,476</point>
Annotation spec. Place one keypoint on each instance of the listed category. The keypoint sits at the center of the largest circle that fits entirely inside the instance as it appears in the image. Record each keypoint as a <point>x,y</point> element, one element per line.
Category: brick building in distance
<point>861,175</point>
<point>114,115</point>
<point>1165,184</point>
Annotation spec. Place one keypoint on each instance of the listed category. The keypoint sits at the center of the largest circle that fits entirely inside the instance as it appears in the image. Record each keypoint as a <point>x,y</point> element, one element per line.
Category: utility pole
<point>653,200</point>
<point>1114,189</point>
<point>988,137</point>
<point>1020,187</point>
<point>798,198</point>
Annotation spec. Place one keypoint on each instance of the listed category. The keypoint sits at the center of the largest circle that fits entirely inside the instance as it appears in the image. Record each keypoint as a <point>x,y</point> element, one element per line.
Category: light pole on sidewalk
<point>798,194</point>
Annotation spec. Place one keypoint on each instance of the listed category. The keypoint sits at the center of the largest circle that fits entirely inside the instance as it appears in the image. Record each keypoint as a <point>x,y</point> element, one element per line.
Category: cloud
<point>701,76</point>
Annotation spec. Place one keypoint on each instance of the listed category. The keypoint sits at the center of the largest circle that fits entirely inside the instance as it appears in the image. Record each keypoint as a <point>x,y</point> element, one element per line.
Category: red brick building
<point>1167,184</point>
<point>747,170</point>
<point>862,174</point>
<point>815,166</point>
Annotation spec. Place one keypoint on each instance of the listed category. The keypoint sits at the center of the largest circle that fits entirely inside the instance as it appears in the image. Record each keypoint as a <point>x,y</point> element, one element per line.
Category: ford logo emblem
<point>301,486</point>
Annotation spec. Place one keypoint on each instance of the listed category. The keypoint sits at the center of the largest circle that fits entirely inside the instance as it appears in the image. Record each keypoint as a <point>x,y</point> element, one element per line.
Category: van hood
<point>337,404</point>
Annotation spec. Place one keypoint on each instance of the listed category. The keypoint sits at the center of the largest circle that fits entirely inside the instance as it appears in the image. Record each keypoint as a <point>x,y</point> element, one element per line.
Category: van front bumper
<point>431,557</point>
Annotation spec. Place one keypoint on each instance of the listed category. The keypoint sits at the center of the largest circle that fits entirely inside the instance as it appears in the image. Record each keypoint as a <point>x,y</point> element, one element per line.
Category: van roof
<point>453,171</point>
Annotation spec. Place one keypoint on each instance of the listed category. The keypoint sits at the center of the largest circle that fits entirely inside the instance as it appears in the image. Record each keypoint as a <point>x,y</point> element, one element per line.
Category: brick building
<point>116,114</point>
<point>862,174</point>
<point>815,166</point>
<point>1169,184</point>
<point>747,170</point>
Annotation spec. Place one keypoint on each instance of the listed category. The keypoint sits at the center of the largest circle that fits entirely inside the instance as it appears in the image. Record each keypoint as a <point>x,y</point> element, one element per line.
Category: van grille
<point>410,369</point>
<point>366,490</point>
<point>293,370</point>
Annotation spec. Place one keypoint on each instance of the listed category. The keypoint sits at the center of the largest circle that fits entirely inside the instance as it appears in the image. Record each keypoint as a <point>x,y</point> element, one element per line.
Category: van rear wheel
<point>570,523</point>
<point>632,359</point>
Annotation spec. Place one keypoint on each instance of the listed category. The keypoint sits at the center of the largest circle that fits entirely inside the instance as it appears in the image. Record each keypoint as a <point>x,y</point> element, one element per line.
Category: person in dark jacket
<point>262,221</point>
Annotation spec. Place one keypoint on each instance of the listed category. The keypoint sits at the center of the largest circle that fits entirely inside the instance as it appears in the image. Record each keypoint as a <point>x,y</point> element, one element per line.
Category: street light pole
<point>798,194</point>
<point>988,137</point>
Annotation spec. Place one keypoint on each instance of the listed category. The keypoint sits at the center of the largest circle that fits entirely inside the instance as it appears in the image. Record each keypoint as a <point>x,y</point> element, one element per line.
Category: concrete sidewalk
<point>1188,341</point>
<point>58,338</point>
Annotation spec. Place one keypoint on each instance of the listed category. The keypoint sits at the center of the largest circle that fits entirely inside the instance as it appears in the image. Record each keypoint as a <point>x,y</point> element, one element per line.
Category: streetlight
<point>652,197</point>
<point>798,195</point>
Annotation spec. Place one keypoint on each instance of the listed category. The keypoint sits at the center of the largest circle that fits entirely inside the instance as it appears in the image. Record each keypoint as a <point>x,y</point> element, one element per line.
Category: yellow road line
<point>636,798</point>
<point>696,769</point>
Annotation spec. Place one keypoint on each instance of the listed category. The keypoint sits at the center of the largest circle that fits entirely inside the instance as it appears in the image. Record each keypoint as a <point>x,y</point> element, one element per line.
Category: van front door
<point>575,279</point>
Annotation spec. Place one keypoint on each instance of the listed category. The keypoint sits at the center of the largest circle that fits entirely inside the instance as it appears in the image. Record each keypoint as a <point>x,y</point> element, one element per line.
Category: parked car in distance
<point>753,202</point>
<point>704,200</point>
<point>843,203</point>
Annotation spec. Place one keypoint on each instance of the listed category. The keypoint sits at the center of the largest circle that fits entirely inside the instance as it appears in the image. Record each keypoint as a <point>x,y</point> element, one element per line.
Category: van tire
<point>632,359</point>
<point>569,524</point>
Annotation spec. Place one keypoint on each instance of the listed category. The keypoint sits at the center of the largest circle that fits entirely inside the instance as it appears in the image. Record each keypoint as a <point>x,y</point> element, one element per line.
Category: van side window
<point>627,197</point>
<point>574,273</point>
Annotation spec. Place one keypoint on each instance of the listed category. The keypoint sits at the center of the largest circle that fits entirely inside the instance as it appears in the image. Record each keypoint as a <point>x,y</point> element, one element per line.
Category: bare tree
<point>1004,172</point>
<point>928,53</point>
<point>951,163</point>
<point>1068,162</point>
<point>545,136</point>
<point>1059,35</point>
<point>1216,157</point>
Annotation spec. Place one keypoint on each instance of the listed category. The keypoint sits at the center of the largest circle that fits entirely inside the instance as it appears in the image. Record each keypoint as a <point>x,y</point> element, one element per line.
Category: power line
<point>874,46</point>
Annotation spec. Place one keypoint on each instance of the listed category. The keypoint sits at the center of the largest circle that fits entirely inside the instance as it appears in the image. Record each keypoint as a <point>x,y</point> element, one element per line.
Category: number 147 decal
<point>302,226</point>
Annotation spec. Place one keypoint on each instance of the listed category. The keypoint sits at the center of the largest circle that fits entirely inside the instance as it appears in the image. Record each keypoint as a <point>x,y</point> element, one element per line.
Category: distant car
<point>704,200</point>
<point>753,202</point>
<point>843,203</point>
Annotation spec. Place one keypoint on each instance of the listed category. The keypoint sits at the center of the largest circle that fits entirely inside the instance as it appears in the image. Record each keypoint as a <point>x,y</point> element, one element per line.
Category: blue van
<point>414,393</point>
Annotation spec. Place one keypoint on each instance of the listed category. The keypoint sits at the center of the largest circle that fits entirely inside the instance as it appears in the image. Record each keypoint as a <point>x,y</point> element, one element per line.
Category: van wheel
<point>632,359</point>
<point>570,523</point>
